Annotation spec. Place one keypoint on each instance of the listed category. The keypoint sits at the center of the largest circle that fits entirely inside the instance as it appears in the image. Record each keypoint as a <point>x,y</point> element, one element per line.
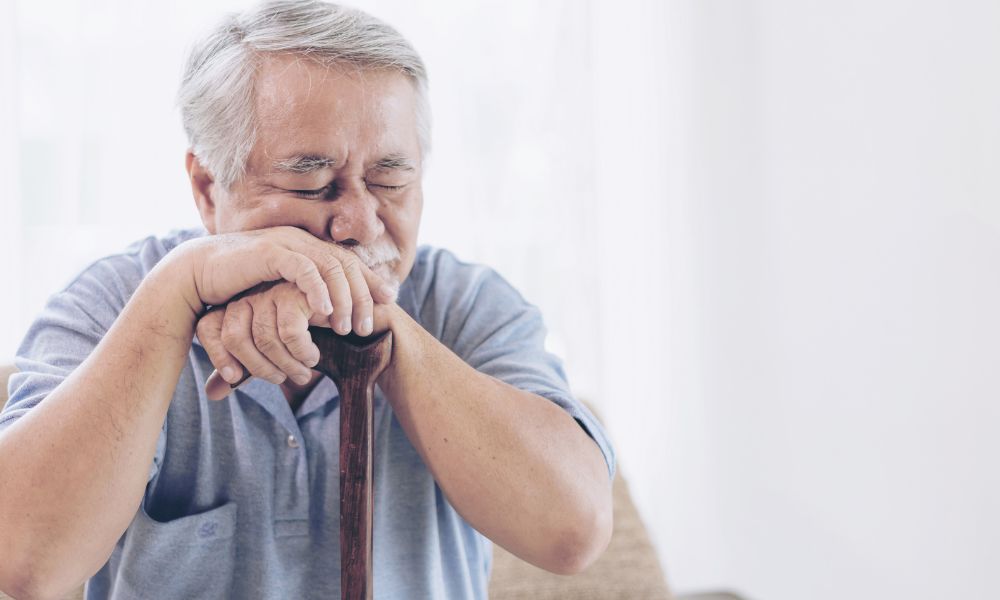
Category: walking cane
<point>354,363</point>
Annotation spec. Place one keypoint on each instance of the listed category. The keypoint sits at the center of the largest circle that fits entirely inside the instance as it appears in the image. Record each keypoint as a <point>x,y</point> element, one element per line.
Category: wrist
<point>408,339</point>
<point>170,286</point>
<point>177,273</point>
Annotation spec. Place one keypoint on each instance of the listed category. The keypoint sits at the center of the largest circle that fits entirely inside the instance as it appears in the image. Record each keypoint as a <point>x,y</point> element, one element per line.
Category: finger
<point>293,326</point>
<point>265,336</point>
<point>325,258</point>
<point>209,330</point>
<point>332,270</point>
<point>305,274</point>
<point>237,335</point>
<point>383,290</point>
<point>217,388</point>
<point>361,298</point>
<point>335,262</point>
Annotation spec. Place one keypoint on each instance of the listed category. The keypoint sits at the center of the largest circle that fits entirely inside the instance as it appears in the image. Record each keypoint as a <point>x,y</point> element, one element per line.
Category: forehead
<point>304,107</point>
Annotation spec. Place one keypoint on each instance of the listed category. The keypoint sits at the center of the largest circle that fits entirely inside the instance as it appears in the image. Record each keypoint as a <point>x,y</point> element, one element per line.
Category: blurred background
<point>765,235</point>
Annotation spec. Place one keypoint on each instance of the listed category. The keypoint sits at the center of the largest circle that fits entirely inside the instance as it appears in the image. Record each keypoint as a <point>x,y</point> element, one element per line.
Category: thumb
<point>217,388</point>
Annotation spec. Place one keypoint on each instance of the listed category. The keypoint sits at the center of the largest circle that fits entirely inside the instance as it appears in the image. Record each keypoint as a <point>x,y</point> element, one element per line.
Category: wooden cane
<point>354,363</point>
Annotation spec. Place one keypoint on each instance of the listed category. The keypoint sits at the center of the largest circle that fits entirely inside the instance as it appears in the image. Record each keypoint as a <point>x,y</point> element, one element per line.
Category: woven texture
<point>6,370</point>
<point>628,569</point>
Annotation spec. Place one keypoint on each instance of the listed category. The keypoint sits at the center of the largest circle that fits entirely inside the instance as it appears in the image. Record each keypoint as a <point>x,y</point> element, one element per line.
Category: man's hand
<point>265,333</point>
<point>333,279</point>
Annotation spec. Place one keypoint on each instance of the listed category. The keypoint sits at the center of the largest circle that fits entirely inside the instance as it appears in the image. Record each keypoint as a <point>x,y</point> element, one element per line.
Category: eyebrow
<point>304,163</point>
<point>393,162</point>
<point>307,163</point>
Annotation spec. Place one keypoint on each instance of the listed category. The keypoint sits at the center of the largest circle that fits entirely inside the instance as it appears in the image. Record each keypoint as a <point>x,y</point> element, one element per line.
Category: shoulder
<point>440,277</point>
<point>432,263</point>
<point>118,275</point>
<point>461,302</point>
<point>92,300</point>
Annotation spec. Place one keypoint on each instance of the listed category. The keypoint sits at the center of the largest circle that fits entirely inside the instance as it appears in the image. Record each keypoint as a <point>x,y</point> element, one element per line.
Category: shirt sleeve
<point>68,329</point>
<point>486,322</point>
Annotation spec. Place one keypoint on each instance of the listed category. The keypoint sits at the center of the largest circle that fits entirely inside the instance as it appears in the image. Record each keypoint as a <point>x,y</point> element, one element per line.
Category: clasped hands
<point>296,281</point>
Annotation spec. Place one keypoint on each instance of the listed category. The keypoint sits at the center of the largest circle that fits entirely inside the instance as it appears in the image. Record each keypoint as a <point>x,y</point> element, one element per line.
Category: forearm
<point>74,468</point>
<point>514,465</point>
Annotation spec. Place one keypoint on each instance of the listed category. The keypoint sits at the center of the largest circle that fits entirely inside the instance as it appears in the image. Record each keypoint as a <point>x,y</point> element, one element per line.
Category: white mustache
<point>380,252</point>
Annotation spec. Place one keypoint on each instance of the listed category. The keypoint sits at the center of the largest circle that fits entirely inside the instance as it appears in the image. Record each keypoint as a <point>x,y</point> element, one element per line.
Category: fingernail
<point>327,307</point>
<point>345,325</point>
<point>229,374</point>
<point>301,379</point>
<point>366,326</point>
<point>389,290</point>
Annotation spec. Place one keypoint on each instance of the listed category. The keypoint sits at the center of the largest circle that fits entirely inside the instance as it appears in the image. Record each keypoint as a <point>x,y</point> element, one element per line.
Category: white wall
<point>95,133</point>
<point>764,233</point>
<point>10,207</point>
<point>825,378</point>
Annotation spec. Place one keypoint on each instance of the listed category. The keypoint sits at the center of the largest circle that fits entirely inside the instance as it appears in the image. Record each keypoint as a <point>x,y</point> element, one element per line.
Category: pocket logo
<point>208,529</point>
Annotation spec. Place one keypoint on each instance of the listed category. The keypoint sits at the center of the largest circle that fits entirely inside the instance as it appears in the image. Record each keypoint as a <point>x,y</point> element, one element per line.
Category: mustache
<point>373,255</point>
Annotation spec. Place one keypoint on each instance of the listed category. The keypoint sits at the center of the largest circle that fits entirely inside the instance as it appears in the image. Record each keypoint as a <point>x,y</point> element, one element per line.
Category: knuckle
<point>301,265</point>
<point>331,268</point>
<point>263,337</point>
<point>202,329</point>
<point>258,365</point>
<point>291,340</point>
<point>266,345</point>
<point>238,309</point>
<point>231,337</point>
<point>351,262</point>
<point>265,372</point>
<point>287,322</point>
<point>364,300</point>
<point>298,353</point>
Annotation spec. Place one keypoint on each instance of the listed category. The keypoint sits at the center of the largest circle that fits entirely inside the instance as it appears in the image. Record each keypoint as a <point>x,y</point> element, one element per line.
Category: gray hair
<point>216,96</point>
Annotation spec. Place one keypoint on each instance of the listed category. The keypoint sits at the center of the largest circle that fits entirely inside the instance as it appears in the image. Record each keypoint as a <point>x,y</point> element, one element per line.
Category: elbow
<point>14,585</point>
<point>21,584</point>
<point>582,544</point>
<point>28,585</point>
<point>15,579</point>
<point>28,577</point>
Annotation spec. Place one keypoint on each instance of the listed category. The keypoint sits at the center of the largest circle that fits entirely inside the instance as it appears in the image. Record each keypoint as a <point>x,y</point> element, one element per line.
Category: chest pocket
<point>189,557</point>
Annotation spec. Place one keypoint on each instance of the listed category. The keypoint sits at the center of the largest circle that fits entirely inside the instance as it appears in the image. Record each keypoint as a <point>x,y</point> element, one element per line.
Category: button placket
<point>291,488</point>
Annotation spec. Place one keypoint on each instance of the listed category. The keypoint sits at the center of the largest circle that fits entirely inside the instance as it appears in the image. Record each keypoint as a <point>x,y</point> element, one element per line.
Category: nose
<point>354,217</point>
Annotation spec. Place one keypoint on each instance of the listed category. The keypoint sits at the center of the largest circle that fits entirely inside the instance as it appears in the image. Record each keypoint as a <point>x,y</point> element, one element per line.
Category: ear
<point>203,188</point>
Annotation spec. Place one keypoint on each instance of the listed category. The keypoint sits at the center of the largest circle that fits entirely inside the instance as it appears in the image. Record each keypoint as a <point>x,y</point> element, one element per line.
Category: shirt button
<point>292,442</point>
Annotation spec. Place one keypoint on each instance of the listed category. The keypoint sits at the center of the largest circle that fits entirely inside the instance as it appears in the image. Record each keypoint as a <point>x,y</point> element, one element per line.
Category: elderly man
<point>126,460</point>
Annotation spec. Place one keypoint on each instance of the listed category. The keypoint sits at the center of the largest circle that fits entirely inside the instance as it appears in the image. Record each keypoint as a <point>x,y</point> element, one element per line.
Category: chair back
<point>7,369</point>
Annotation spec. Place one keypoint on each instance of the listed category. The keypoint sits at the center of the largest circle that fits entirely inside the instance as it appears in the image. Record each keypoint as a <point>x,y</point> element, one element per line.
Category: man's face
<point>337,154</point>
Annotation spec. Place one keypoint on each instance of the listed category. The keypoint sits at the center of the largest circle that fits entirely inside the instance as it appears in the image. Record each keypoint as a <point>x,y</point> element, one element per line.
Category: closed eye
<point>390,188</point>
<point>313,194</point>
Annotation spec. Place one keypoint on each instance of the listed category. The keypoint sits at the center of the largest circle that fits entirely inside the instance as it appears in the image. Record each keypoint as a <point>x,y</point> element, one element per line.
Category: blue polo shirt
<point>243,499</point>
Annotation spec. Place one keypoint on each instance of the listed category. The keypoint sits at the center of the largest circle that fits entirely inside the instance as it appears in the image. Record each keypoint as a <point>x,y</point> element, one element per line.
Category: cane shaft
<point>354,364</point>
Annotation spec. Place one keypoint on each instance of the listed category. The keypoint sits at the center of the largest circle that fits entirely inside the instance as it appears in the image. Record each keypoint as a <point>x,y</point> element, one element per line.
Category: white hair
<point>216,96</point>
